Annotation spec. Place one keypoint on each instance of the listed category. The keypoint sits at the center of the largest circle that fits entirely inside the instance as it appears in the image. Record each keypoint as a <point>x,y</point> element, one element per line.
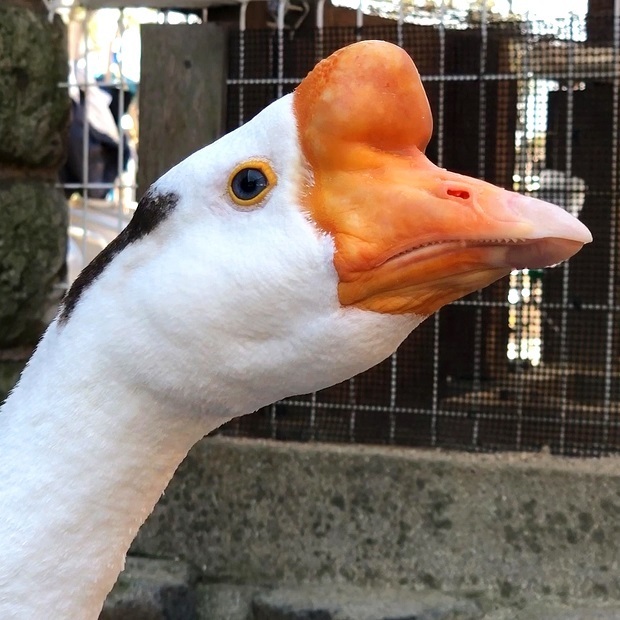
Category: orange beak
<point>409,236</point>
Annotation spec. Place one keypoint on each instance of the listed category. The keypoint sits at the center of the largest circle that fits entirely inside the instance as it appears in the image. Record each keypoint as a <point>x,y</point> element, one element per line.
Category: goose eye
<point>250,182</point>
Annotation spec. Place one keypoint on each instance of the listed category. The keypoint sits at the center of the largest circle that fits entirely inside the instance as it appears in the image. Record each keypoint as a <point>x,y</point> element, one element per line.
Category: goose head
<point>302,248</point>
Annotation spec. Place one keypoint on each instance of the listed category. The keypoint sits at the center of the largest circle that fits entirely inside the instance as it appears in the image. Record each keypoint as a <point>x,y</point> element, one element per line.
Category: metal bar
<point>393,395</point>
<point>273,421</point>
<point>85,133</point>
<point>359,24</point>
<point>440,158</point>
<point>484,46</point>
<point>94,185</point>
<point>441,78</point>
<point>353,401</point>
<point>482,136</point>
<point>399,23</point>
<point>544,306</point>
<point>121,132</point>
<point>242,25</point>
<point>521,168</point>
<point>262,81</point>
<point>319,51</point>
<point>595,421</point>
<point>566,265</point>
<point>465,77</point>
<point>280,34</point>
<point>610,331</point>
<point>394,356</point>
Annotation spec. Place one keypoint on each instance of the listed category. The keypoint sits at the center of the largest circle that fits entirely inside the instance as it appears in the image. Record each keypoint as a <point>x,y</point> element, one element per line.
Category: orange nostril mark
<point>459,193</point>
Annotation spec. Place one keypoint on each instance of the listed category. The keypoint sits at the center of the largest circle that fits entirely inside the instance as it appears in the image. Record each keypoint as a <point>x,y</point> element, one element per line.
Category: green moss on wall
<point>34,111</point>
<point>33,239</point>
<point>34,115</point>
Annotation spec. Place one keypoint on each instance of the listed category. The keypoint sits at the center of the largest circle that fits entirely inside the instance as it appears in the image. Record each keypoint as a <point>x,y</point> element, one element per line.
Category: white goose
<point>295,252</point>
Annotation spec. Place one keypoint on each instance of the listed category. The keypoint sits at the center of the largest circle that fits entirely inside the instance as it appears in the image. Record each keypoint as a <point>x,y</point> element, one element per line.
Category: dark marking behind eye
<point>151,211</point>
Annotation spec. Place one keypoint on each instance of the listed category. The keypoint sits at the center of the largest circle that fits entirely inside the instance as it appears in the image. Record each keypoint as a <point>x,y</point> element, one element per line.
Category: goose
<point>292,254</point>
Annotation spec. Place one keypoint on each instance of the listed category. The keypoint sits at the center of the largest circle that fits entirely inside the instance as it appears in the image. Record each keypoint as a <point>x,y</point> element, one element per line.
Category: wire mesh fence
<point>531,362</point>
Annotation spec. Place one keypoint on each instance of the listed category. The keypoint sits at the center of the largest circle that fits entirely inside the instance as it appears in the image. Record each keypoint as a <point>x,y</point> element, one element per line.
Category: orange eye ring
<point>250,182</point>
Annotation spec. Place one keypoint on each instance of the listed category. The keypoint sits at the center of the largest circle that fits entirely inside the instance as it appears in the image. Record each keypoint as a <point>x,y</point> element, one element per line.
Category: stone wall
<point>34,114</point>
<point>286,531</point>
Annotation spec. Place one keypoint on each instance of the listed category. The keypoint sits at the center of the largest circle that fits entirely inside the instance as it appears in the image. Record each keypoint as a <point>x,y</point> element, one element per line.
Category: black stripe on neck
<point>151,211</point>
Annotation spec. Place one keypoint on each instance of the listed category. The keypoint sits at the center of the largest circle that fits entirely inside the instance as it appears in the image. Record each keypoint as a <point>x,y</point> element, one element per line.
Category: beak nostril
<point>459,193</point>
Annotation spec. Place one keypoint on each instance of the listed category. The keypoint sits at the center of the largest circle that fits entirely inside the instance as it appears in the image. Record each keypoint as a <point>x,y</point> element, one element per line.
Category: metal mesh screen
<point>531,362</point>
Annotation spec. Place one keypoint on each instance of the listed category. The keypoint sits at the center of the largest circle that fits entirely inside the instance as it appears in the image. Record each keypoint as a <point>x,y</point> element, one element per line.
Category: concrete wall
<point>509,527</point>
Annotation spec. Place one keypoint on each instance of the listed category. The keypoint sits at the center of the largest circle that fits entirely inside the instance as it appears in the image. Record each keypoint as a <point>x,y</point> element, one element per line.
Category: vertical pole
<point>242,26</point>
<point>394,356</point>
<point>440,157</point>
<point>121,132</point>
<point>482,133</point>
<point>359,21</point>
<point>613,234</point>
<point>280,59</point>
<point>319,52</point>
<point>570,83</point>
<point>399,23</point>
<point>85,133</point>
<point>521,166</point>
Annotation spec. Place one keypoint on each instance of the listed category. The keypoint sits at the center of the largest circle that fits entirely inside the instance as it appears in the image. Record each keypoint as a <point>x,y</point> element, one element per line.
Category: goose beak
<point>410,237</point>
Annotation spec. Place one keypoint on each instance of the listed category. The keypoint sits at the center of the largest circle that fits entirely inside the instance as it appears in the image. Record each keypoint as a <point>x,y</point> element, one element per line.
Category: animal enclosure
<point>531,362</point>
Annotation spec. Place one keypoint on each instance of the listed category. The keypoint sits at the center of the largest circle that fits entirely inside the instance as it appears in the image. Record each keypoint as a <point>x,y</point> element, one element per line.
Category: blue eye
<point>249,183</point>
